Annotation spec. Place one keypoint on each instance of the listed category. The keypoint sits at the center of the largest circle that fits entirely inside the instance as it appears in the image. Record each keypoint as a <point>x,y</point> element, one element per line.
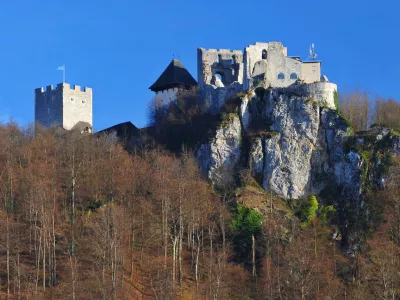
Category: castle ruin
<point>223,73</point>
<point>261,64</point>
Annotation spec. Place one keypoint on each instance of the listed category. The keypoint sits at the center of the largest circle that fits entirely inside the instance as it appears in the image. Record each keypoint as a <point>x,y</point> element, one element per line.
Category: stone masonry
<point>222,73</point>
<point>65,105</point>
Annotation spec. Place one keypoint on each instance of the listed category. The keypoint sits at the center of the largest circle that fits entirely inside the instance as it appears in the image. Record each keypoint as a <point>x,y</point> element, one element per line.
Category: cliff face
<point>293,146</point>
<point>219,158</point>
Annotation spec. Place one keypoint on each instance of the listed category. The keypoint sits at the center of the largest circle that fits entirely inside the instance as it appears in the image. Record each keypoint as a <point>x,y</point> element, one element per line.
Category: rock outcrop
<point>295,146</point>
<point>219,158</point>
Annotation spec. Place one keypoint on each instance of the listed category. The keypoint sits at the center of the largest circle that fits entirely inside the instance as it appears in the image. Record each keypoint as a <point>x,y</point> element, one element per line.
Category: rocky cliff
<point>294,146</point>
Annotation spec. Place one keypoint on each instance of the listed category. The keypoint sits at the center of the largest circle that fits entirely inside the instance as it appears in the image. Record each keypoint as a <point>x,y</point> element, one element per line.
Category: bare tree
<point>355,107</point>
<point>387,113</point>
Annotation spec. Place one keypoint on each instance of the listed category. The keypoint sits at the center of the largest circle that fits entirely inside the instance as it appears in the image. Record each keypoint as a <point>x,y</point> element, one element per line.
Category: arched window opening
<point>219,59</point>
<point>293,76</point>
<point>264,54</point>
<point>220,76</point>
<point>233,60</point>
<point>281,76</point>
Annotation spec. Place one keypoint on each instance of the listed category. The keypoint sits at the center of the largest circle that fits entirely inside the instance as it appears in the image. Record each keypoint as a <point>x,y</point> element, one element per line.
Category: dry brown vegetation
<point>80,218</point>
<point>358,108</point>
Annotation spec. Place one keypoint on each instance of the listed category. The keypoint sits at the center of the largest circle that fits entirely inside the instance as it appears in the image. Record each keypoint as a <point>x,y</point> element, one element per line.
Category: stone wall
<point>228,64</point>
<point>267,64</point>
<point>63,105</point>
<point>311,71</point>
<point>319,92</point>
<point>165,97</point>
<point>263,62</point>
<point>77,105</point>
<point>48,106</point>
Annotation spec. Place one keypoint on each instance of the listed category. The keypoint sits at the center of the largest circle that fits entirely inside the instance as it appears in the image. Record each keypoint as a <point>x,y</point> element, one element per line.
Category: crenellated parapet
<point>63,86</point>
<point>64,105</point>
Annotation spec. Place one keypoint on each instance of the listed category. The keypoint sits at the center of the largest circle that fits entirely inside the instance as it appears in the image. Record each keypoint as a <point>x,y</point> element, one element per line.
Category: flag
<point>61,68</point>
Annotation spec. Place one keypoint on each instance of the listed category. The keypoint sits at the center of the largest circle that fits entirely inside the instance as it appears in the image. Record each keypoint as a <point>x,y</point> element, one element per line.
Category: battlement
<point>64,86</point>
<point>221,51</point>
<point>266,44</point>
<point>77,88</point>
<point>260,44</point>
<point>46,89</point>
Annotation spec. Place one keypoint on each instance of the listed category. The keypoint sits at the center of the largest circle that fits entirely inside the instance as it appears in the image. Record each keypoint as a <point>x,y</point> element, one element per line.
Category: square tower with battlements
<point>69,106</point>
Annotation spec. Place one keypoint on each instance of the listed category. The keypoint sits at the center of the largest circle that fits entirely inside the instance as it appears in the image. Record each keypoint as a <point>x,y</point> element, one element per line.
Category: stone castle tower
<point>65,105</point>
<point>174,78</point>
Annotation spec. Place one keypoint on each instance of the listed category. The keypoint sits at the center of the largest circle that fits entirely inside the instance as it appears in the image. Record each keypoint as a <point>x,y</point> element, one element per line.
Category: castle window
<point>264,54</point>
<point>281,76</point>
<point>219,58</point>
<point>293,76</point>
<point>233,59</point>
<point>220,76</point>
<point>72,99</point>
<point>83,101</point>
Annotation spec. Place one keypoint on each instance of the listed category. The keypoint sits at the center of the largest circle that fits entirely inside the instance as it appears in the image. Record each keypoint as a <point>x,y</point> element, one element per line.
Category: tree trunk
<point>253,256</point>
<point>8,256</point>
<point>73,214</point>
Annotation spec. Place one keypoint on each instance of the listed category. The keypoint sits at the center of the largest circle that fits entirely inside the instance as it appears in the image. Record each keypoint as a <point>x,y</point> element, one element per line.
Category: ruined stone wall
<point>228,64</point>
<point>77,105</point>
<point>311,71</point>
<point>267,64</point>
<point>261,65</point>
<point>48,106</point>
<point>215,97</point>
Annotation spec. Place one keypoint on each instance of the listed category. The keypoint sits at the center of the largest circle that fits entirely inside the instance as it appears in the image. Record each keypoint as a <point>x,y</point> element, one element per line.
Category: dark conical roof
<point>174,75</point>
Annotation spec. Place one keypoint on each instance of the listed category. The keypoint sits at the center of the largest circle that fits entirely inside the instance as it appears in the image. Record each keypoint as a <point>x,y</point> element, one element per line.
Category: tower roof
<point>174,75</point>
<point>124,130</point>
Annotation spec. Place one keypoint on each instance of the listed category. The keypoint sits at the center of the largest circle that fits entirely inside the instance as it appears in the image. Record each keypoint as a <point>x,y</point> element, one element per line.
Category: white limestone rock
<point>219,158</point>
<point>287,170</point>
<point>299,153</point>
<point>348,174</point>
<point>256,155</point>
<point>245,115</point>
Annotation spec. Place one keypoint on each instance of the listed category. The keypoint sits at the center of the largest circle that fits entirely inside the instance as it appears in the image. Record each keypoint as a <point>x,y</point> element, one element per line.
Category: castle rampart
<point>322,93</point>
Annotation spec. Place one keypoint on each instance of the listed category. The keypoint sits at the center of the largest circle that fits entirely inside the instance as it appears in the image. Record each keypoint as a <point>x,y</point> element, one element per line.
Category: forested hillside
<point>82,217</point>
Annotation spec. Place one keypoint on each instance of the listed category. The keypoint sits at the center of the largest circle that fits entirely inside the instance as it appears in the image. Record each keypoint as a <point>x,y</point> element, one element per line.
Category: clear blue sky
<point>120,47</point>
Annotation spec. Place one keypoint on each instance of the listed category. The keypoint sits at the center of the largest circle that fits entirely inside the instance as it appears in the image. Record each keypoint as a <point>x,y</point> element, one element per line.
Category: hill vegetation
<point>82,218</point>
